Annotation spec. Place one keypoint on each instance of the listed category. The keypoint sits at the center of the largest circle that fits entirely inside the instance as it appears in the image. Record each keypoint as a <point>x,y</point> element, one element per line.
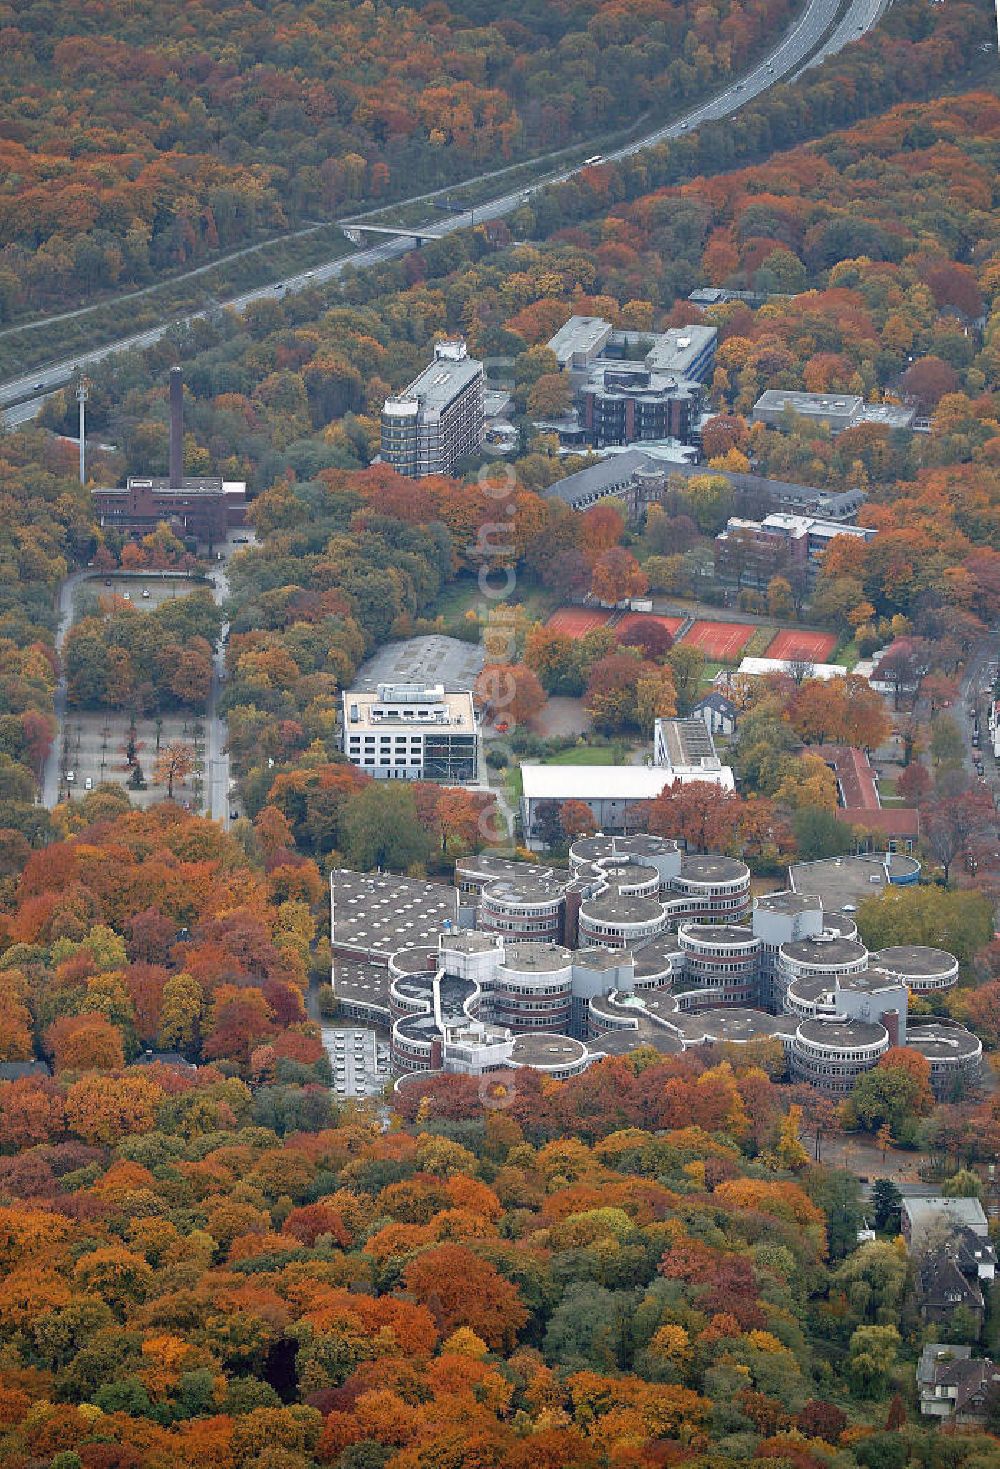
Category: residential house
<point>954,1384</point>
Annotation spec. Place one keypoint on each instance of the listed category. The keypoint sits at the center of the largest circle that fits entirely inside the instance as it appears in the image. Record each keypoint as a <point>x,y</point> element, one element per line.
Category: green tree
<point>887,1094</point>
<point>874,1280</point>
<point>819,834</point>
<point>872,1356</point>
<point>381,828</point>
<point>687,665</point>
<point>959,921</point>
<point>886,1204</point>
<point>963,1185</point>
<point>947,744</point>
<point>838,1194</point>
<point>590,1329</point>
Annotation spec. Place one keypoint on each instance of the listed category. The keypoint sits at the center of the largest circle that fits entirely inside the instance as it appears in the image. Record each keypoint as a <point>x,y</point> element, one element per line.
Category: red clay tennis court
<point>633,619</point>
<point>575,621</point>
<point>802,647</point>
<point>721,641</point>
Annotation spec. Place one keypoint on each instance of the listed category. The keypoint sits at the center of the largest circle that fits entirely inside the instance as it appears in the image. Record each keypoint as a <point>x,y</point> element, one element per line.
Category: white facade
<point>409,732</point>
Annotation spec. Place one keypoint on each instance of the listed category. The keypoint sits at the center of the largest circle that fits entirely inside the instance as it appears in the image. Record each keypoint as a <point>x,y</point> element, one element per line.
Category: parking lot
<point>143,591</point>
<point>94,750</point>
<point>360,1061</point>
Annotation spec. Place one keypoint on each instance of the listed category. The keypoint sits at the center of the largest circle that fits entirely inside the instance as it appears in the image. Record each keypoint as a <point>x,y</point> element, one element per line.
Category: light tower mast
<point>81,398</point>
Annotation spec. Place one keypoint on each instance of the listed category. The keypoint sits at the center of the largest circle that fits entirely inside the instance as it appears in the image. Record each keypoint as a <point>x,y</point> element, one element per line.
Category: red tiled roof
<point>854,774</point>
<point>893,821</point>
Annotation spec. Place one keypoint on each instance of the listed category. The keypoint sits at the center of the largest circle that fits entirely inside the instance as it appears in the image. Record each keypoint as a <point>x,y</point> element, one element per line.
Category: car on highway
<point>38,388</point>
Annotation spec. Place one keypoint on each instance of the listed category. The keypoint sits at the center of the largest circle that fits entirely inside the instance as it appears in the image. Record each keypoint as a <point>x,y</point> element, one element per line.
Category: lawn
<point>586,755</point>
<point>514,784</point>
<point>456,599</point>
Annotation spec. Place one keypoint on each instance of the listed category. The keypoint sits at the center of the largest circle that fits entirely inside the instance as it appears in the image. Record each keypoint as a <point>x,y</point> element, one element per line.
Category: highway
<point>813,31</point>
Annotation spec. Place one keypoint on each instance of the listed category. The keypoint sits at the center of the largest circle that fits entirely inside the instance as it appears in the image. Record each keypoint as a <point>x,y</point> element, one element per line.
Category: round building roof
<point>615,907</point>
<point>637,848</point>
<point>709,867</point>
<point>841,1035</point>
<point>537,958</point>
<point>547,1051</point>
<point>630,874</point>
<point>414,961</point>
<point>917,960</point>
<point>718,933</point>
<point>526,891</point>
<point>943,1040</point>
<point>826,951</point>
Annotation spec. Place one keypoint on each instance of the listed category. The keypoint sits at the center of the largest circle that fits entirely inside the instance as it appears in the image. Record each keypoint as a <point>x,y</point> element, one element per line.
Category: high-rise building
<point>439,418</point>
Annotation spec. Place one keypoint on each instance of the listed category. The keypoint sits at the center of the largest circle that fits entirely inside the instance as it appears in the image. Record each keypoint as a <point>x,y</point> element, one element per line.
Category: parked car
<point>70,777</point>
<point>146,594</point>
<point>88,784</point>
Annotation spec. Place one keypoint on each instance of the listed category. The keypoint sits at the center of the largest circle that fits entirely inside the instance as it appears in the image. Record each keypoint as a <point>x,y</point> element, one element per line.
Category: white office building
<point>411,732</point>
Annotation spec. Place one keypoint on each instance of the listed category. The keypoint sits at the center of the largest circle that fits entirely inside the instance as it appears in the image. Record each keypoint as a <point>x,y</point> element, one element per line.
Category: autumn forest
<point>211,1257</point>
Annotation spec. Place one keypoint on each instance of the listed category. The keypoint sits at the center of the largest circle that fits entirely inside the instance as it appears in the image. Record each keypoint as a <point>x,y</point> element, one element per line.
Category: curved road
<point>813,32</point>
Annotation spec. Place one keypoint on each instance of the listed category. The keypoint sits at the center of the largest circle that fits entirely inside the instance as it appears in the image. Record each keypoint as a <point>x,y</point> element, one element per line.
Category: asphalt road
<point>786,61</point>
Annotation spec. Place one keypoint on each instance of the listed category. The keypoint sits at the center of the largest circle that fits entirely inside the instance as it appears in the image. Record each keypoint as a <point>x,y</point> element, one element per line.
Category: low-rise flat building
<point>580,341</point>
<point>836,411</point>
<point>842,883</point>
<point>411,732</point>
<point>930,1218</point>
<point>200,508</point>
<point>615,794</point>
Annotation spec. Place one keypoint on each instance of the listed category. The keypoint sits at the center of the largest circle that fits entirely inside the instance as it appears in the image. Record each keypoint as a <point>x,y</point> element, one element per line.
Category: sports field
<point>575,621</point>
<point>723,641</point>
<point>802,647</point>
<point>633,619</point>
